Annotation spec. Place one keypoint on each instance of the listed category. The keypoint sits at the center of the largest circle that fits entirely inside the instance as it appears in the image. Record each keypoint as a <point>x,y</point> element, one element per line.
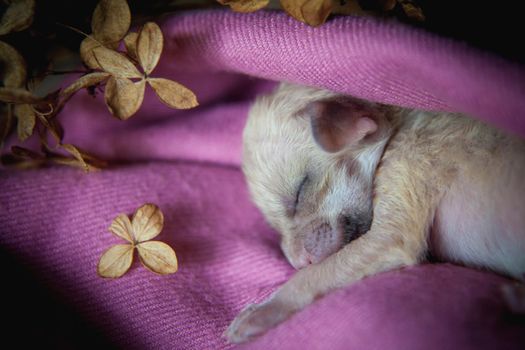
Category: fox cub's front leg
<point>397,238</point>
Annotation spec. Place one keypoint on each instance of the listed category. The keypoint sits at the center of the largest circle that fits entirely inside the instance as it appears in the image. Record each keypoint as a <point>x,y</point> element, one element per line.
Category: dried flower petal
<point>121,227</point>
<point>115,261</point>
<point>85,81</point>
<point>12,65</point>
<point>78,155</point>
<point>312,12</point>
<point>81,158</point>
<point>316,13</point>
<point>22,158</point>
<point>291,7</point>
<point>115,63</point>
<point>70,162</point>
<point>130,41</point>
<point>86,52</point>
<point>245,5</point>
<point>18,16</point>
<point>17,95</point>
<point>158,257</point>
<point>83,164</point>
<point>111,20</point>
<point>149,46</point>
<point>124,97</point>
<point>26,121</point>
<point>147,222</point>
<point>173,94</point>
<point>412,10</point>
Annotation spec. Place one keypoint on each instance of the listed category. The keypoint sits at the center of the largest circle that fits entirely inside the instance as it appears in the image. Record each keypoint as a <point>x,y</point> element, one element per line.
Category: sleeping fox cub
<point>356,188</point>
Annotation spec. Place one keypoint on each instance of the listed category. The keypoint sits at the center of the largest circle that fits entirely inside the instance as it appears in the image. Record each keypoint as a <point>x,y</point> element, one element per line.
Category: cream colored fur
<point>434,182</point>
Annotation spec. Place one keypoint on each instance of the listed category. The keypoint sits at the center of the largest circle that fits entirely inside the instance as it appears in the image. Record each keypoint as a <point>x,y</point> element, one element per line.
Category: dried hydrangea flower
<point>146,224</point>
<point>124,96</point>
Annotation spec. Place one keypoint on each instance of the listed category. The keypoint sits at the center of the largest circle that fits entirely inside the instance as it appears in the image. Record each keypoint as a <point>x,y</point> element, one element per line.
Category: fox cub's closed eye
<point>298,194</point>
<point>291,203</point>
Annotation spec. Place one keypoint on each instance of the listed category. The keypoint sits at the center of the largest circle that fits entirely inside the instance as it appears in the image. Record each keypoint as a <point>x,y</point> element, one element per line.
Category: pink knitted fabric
<point>55,220</point>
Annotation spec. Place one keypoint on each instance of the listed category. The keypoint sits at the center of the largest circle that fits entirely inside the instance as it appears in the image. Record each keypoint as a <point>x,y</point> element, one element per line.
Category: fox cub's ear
<point>337,124</point>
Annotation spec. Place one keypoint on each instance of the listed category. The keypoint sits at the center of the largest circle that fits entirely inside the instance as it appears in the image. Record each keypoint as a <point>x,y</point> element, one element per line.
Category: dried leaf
<point>116,261</point>
<point>70,162</point>
<point>315,13</point>
<point>23,158</point>
<point>86,52</point>
<point>25,153</point>
<point>111,20</point>
<point>147,222</point>
<point>121,227</point>
<point>158,257</point>
<point>312,12</point>
<point>245,5</point>
<point>115,63</point>
<point>18,16</point>
<point>130,41</point>
<point>26,121</point>
<point>11,160</point>
<point>412,10</point>
<point>149,46</point>
<point>79,155</point>
<point>173,94</point>
<point>17,95</point>
<point>13,66</point>
<point>293,9</point>
<point>85,81</point>
<point>94,163</point>
<point>124,97</point>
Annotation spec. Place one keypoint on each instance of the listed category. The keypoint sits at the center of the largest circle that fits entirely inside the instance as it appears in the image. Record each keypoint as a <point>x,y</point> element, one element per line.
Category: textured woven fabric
<point>55,220</point>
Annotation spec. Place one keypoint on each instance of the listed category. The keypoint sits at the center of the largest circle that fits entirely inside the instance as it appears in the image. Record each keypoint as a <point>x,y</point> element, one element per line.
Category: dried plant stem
<point>9,122</point>
<point>75,30</point>
<point>73,71</point>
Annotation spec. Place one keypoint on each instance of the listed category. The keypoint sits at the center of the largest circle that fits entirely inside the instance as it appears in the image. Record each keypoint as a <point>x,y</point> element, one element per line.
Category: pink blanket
<point>54,221</point>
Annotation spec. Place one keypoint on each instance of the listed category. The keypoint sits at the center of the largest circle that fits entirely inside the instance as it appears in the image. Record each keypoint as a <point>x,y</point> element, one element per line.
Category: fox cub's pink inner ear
<point>337,125</point>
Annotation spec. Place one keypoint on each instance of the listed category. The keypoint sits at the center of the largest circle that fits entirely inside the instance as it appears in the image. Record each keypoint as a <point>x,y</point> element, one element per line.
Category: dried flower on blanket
<point>123,75</point>
<point>33,113</point>
<point>145,225</point>
<point>245,5</point>
<point>28,109</point>
<point>124,96</point>
<point>315,12</point>
<point>412,9</point>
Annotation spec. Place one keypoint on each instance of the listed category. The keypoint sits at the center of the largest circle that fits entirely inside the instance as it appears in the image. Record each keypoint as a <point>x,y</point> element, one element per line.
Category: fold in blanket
<point>55,220</point>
